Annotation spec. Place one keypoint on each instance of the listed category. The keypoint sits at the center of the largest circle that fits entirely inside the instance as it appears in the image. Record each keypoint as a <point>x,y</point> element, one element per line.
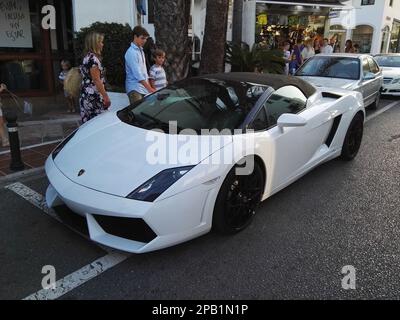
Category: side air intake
<point>332,133</point>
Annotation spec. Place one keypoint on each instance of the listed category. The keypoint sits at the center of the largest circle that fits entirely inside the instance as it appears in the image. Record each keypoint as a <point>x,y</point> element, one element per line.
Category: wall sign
<point>15,24</point>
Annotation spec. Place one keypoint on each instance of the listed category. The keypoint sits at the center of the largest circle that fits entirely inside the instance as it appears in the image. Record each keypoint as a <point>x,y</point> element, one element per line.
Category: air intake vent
<point>332,134</point>
<point>331,95</point>
<point>127,228</point>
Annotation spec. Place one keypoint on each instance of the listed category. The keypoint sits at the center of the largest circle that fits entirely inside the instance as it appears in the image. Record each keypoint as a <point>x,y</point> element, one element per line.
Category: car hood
<point>331,82</point>
<point>115,157</point>
<point>391,72</point>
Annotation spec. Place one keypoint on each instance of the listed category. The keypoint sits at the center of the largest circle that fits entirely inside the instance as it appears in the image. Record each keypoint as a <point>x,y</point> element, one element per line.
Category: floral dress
<point>91,101</point>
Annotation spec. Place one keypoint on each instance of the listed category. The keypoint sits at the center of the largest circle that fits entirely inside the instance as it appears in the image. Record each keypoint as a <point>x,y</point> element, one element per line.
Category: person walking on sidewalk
<point>137,79</point>
<point>94,99</point>
<point>3,133</point>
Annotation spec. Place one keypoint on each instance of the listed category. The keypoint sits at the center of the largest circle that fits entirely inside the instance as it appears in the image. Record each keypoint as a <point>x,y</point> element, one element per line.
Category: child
<point>286,56</point>
<point>3,133</point>
<point>158,77</point>
<point>66,67</point>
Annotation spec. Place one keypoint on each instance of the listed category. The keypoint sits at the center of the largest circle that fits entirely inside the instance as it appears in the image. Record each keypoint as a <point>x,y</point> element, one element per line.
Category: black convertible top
<point>275,81</point>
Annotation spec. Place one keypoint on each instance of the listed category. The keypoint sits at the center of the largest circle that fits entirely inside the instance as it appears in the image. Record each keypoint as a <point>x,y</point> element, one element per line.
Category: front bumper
<point>168,222</point>
<point>391,89</point>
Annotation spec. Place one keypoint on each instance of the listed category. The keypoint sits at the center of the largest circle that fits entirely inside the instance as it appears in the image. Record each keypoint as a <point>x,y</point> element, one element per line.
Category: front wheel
<point>353,139</point>
<point>237,200</point>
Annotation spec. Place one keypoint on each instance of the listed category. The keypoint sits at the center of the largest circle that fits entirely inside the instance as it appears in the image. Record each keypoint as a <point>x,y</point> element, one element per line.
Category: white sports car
<point>141,186</point>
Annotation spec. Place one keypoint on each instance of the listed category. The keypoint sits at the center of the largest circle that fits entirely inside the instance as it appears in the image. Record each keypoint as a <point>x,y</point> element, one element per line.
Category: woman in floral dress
<point>94,99</point>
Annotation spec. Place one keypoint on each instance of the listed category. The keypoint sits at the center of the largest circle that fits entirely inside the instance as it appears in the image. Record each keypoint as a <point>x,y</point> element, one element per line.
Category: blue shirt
<point>135,67</point>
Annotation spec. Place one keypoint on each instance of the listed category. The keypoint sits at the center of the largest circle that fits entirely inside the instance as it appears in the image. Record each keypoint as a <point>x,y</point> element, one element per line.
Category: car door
<point>367,84</point>
<point>293,148</point>
<point>378,82</point>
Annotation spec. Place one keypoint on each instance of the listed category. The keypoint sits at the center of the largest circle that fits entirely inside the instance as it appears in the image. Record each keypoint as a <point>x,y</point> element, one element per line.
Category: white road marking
<point>383,110</point>
<point>75,279</point>
<point>78,278</point>
<point>38,201</point>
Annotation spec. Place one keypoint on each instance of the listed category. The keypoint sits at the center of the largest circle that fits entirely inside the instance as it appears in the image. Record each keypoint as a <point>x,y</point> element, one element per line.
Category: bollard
<point>12,126</point>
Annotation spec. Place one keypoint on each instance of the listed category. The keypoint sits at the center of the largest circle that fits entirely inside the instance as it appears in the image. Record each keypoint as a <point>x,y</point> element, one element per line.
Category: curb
<point>22,174</point>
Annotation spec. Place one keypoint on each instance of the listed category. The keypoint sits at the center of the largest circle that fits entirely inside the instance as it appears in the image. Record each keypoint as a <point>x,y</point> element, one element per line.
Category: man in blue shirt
<point>137,79</point>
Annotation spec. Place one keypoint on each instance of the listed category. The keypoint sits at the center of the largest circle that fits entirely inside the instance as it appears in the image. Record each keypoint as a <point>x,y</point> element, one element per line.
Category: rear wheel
<point>353,139</point>
<point>237,200</point>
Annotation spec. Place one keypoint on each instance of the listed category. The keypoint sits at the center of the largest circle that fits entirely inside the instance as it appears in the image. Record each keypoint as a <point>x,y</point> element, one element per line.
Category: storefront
<point>394,46</point>
<point>277,21</point>
<point>30,55</point>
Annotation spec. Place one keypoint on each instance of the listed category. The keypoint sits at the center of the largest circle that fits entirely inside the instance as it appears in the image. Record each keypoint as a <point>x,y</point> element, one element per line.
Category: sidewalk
<point>34,157</point>
<point>40,133</point>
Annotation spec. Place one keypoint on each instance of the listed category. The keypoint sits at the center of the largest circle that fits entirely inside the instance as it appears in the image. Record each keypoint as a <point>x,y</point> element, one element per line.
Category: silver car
<point>357,72</point>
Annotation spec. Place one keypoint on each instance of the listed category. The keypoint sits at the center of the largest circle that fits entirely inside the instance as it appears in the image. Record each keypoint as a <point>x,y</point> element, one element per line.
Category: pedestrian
<point>286,56</point>
<point>158,77</point>
<point>326,48</point>
<point>137,79</point>
<point>317,46</point>
<point>65,69</point>
<point>94,99</point>
<point>349,47</point>
<point>308,51</point>
<point>3,133</point>
<point>357,48</point>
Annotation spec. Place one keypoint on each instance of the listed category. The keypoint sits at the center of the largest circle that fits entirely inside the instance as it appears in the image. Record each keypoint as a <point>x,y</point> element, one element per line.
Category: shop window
<point>394,45</point>
<point>22,75</point>
<point>362,36</point>
<point>30,25</point>
<point>385,39</point>
<point>367,2</point>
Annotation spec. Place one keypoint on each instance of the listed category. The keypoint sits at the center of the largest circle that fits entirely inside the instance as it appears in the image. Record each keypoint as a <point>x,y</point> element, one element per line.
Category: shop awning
<point>322,3</point>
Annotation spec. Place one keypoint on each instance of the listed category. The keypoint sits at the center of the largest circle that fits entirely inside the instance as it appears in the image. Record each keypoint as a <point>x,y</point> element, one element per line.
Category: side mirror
<point>369,76</point>
<point>288,120</point>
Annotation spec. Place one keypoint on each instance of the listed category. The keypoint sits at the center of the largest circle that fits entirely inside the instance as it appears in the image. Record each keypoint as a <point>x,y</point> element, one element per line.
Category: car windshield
<point>196,104</point>
<point>388,61</point>
<point>331,67</point>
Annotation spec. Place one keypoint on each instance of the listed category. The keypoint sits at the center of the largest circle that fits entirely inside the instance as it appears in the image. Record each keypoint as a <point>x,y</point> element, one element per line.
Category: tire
<point>353,139</point>
<point>375,105</point>
<point>237,200</point>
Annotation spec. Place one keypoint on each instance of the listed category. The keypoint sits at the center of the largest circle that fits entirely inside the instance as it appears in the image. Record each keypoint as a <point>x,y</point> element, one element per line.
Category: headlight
<point>63,144</point>
<point>157,185</point>
<point>396,81</point>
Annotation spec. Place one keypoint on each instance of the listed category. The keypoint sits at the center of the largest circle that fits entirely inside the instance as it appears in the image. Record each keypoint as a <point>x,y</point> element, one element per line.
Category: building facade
<point>372,24</point>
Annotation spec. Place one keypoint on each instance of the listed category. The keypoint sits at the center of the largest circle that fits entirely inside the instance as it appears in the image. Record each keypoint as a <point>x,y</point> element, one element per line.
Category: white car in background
<point>390,66</point>
<point>356,72</point>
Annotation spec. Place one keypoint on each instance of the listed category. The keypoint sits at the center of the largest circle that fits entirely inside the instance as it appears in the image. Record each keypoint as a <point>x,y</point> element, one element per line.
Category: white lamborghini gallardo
<point>136,199</point>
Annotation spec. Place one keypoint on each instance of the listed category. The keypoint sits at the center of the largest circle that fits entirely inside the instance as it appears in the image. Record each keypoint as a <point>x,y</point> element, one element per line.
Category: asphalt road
<point>339,214</point>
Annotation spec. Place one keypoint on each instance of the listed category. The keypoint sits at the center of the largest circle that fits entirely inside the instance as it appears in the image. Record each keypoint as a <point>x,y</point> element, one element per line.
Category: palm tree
<point>237,21</point>
<point>242,59</point>
<point>171,32</point>
<point>213,51</point>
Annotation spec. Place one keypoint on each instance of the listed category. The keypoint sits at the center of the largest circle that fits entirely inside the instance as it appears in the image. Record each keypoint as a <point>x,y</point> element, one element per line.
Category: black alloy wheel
<point>238,200</point>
